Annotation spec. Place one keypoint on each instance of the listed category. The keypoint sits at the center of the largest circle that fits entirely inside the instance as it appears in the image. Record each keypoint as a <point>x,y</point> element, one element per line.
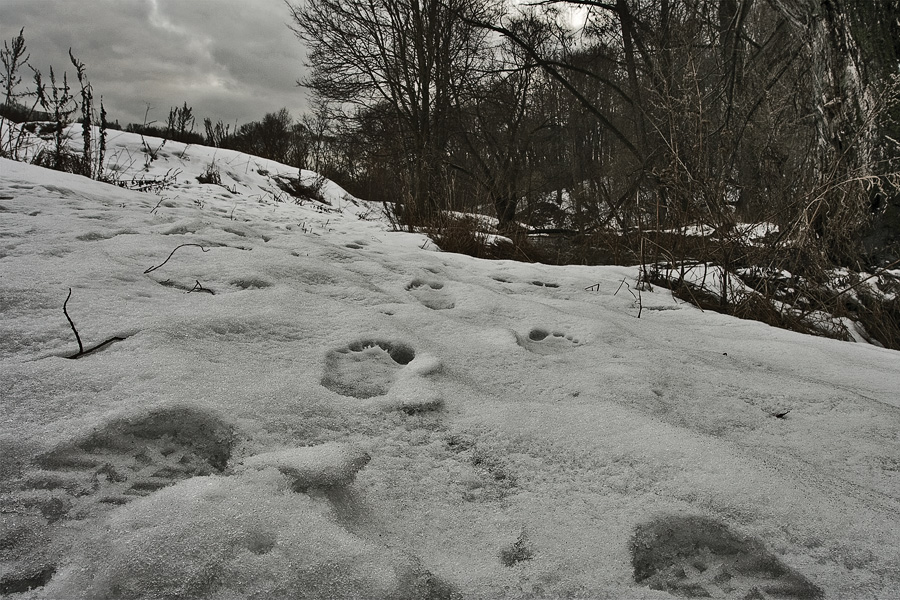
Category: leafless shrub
<point>14,56</point>
<point>210,175</point>
<point>148,183</point>
<point>465,234</point>
<point>300,189</point>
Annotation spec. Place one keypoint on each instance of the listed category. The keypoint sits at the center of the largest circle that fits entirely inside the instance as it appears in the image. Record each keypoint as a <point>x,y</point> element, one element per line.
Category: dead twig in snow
<point>81,351</point>
<point>199,288</point>
<point>636,298</point>
<point>77,337</point>
<point>151,269</point>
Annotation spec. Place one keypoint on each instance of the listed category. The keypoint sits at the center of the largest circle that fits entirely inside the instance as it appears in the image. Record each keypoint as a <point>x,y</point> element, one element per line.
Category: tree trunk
<point>505,205</point>
<point>843,100</point>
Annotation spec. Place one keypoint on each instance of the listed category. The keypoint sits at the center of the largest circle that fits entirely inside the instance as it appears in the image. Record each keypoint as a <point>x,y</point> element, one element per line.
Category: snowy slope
<point>336,411</point>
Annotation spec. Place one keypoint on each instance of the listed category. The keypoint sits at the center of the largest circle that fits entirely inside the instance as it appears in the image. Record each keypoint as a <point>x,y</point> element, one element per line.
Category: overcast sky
<point>233,60</point>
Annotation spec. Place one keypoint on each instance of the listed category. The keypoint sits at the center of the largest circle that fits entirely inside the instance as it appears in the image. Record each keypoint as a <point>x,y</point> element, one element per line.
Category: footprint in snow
<point>431,294</point>
<point>251,282</point>
<point>127,458</point>
<point>124,460</point>
<point>366,368</point>
<point>544,341</point>
<point>696,557</point>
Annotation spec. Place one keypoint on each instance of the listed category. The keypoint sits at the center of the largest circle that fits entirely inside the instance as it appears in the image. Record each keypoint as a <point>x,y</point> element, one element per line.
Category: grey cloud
<point>232,60</point>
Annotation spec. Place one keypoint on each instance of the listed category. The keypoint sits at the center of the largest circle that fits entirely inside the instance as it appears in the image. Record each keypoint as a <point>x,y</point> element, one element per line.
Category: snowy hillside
<point>296,402</point>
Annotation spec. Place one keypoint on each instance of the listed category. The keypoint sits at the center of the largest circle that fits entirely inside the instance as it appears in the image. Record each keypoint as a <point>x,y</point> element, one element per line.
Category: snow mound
<point>239,537</point>
<point>324,466</point>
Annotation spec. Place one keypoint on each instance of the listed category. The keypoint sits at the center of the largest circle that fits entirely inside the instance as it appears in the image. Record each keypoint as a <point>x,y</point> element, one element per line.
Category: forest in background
<point>649,115</point>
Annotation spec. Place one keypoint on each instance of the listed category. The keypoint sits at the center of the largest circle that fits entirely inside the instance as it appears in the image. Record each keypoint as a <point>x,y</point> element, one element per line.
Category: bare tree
<point>317,125</point>
<point>412,57</point>
<point>180,121</point>
<point>501,121</point>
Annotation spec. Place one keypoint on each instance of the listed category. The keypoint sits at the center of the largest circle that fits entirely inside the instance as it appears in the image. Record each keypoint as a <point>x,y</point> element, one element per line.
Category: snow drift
<point>300,403</point>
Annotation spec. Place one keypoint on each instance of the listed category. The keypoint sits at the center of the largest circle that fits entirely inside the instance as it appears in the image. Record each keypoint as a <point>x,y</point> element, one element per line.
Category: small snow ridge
<point>234,537</point>
<point>186,227</point>
<point>95,236</point>
<point>696,557</point>
<point>324,466</point>
<point>366,368</point>
<point>417,407</point>
<point>250,283</point>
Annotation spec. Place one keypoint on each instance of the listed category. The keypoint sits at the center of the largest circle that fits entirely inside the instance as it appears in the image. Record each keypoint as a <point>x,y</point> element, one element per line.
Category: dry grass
<point>803,302</point>
<point>879,315</point>
<point>465,235</point>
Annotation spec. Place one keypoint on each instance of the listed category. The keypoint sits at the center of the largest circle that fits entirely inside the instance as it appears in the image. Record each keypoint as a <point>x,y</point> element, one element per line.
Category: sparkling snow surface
<point>339,410</point>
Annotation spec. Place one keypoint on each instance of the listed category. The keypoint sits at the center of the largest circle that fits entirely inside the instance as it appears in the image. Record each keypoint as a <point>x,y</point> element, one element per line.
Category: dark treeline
<point>655,114</point>
<point>278,136</point>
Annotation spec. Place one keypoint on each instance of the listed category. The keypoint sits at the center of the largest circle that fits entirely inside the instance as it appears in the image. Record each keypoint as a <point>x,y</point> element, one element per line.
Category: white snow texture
<point>302,403</point>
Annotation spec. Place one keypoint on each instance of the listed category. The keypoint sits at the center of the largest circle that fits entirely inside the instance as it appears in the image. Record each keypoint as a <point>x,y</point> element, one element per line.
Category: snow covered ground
<point>305,404</point>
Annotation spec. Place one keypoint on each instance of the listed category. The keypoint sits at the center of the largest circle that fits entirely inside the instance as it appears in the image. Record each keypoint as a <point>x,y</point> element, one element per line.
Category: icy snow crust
<point>334,411</point>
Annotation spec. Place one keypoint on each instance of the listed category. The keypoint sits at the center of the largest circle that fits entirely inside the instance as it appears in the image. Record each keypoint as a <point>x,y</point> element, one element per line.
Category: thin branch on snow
<point>81,351</point>
<point>198,287</point>
<point>77,337</point>
<point>636,298</point>
<point>173,252</point>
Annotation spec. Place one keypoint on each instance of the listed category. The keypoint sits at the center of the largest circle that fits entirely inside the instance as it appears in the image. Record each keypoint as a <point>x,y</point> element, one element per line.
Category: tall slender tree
<point>413,57</point>
<point>14,57</point>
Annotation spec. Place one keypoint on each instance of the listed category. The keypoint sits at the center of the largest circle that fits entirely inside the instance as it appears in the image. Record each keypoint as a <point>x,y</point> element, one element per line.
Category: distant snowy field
<point>305,404</point>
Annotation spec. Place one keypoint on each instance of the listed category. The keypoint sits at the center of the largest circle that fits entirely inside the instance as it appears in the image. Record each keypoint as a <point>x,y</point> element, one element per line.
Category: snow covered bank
<point>305,404</point>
